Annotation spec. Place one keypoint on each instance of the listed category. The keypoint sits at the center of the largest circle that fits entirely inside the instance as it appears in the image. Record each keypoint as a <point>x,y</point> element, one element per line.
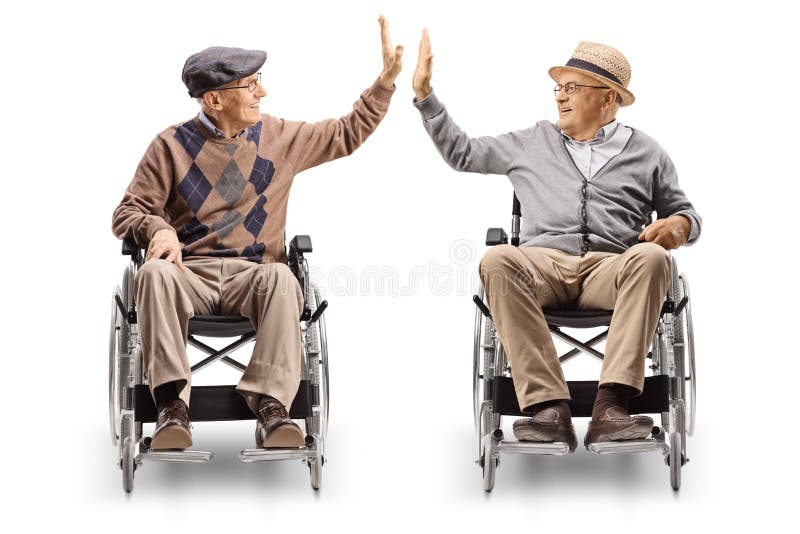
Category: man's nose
<point>260,91</point>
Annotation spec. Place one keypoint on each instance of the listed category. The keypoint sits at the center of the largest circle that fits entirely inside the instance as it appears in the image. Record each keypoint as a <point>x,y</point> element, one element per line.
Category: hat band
<point>591,67</point>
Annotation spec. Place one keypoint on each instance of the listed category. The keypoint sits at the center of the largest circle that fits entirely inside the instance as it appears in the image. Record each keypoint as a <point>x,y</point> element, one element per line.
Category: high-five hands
<point>392,57</point>
<point>422,74</point>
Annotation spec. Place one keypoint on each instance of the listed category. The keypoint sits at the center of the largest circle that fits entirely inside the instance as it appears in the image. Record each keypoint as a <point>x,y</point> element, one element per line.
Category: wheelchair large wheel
<point>316,353</point>
<point>690,391</point>
<point>482,371</point>
<point>117,343</point>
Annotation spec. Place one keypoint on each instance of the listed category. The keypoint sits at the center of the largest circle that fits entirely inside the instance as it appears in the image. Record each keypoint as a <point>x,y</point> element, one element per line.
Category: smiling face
<point>585,111</point>
<point>233,110</point>
<point>240,106</point>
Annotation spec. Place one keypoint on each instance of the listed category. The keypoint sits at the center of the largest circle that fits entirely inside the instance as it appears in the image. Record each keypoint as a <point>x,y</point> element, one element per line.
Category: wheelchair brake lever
<point>481,306</point>
<point>130,316</point>
<point>681,305</point>
<point>318,313</point>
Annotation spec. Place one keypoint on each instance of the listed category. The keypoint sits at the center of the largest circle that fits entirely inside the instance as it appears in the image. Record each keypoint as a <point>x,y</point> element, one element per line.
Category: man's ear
<point>610,99</point>
<point>212,100</point>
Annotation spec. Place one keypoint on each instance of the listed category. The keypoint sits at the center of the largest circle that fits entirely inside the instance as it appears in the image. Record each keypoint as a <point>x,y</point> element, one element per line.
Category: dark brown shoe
<point>172,427</point>
<point>546,426</point>
<point>617,425</point>
<point>274,428</point>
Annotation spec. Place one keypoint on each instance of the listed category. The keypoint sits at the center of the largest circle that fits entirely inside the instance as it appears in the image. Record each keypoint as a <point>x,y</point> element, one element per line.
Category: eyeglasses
<point>251,86</point>
<point>571,87</point>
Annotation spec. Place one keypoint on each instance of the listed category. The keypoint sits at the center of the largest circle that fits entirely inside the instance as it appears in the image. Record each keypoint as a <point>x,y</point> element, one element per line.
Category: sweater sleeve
<point>141,213</point>
<point>308,145</point>
<point>670,200</point>
<point>486,155</point>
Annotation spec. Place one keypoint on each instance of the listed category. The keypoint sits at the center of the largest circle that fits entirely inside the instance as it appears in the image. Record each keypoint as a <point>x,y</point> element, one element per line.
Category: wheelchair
<point>670,390</point>
<point>131,404</point>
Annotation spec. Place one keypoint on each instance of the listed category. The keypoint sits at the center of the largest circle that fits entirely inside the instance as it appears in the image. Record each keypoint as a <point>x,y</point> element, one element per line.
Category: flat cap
<point>218,65</point>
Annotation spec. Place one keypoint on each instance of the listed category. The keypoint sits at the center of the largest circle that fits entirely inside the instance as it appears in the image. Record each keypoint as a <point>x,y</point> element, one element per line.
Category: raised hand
<point>392,57</point>
<point>422,74</point>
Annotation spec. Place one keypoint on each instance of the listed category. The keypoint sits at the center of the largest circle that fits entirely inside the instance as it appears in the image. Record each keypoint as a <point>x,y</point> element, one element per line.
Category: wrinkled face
<point>582,110</point>
<point>240,107</point>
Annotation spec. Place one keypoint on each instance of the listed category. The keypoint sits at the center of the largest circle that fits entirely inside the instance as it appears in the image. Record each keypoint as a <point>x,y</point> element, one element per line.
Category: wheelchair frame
<point>669,391</point>
<point>131,403</point>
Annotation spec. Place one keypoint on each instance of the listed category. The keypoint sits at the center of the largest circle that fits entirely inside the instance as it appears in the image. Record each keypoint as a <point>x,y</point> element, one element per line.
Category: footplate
<point>634,445</point>
<point>557,448</point>
<point>263,455</point>
<point>175,456</point>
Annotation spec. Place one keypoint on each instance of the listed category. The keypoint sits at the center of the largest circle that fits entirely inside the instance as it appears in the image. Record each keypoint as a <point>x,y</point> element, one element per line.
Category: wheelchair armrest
<point>129,247</point>
<point>496,236</point>
<point>301,243</point>
<point>297,246</point>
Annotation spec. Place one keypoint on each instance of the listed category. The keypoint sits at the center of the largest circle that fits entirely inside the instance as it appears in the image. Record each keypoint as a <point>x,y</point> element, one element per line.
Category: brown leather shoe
<point>546,426</point>
<point>274,428</point>
<point>616,425</point>
<point>172,427</point>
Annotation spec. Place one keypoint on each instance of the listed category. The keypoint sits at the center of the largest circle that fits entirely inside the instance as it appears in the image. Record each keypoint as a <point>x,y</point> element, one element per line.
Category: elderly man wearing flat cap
<point>209,201</point>
<point>587,186</point>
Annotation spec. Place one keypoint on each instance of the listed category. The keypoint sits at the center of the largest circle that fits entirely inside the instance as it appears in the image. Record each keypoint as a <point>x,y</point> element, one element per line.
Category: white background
<point>85,87</point>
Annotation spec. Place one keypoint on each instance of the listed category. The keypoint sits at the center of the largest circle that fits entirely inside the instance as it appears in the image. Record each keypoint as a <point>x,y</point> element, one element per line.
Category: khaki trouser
<point>267,294</point>
<point>521,281</point>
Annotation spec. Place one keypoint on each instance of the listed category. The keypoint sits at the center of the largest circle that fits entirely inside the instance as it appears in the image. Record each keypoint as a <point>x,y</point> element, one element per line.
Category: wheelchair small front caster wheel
<point>315,470</point>
<point>489,469</point>
<point>675,460</point>
<point>128,464</point>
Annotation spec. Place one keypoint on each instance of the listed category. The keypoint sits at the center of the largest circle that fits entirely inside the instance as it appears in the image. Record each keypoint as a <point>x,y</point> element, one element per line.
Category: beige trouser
<point>267,294</point>
<point>520,282</point>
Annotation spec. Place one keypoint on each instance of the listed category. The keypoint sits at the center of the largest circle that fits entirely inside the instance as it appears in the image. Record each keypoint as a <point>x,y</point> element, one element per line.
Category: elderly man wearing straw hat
<point>209,202</point>
<point>587,186</point>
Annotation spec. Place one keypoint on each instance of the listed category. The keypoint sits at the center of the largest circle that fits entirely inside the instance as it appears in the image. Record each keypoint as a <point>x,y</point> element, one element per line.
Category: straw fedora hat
<point>605,64</point>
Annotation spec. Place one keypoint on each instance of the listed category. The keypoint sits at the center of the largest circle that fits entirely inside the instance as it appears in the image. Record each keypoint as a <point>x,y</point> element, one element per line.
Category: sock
<point>165,393</point>
<point>560,405</point>
<point>611,395</point>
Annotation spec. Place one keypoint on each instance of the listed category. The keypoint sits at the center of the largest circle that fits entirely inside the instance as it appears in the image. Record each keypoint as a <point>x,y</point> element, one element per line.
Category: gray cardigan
<point>551,189</point>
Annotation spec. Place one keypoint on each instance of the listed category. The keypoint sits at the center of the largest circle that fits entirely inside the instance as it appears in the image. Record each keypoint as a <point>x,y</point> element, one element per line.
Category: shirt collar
<point>603,134</point>
<point>205,121</point>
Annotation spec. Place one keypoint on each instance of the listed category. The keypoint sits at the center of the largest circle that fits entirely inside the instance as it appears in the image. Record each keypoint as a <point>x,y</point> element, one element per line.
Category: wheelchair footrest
<point>221,403</point>
<point>558,448</point>
<point>654,398</point>
<point>263,455</point>
<point>176,456</point>
<point>636,445</point>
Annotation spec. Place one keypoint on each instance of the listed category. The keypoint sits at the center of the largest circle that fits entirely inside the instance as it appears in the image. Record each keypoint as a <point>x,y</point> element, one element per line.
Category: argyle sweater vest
<point>228,197</point>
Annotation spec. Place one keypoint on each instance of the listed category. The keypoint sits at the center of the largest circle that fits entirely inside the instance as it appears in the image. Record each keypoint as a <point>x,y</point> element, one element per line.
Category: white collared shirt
<point>205,121</point>
<point>591,156</point>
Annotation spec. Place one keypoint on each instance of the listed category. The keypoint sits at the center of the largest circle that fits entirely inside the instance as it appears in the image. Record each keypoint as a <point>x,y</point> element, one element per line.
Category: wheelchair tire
<point>691,372</point>
<point>489,470</point>
<point>128,464</point>
<point>675,459</point>
<point>118,337</point>
<point>315,470</point>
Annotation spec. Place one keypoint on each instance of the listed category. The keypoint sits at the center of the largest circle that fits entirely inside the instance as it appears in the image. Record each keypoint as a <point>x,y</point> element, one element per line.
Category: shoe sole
<point>546,435</point>
<point>283,436</point>
<point>172,437</point>
<point>636,429</point>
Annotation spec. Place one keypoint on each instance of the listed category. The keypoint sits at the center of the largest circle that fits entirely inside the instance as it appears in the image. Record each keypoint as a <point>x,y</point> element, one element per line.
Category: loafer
<point>546,426</point>
<point>617,425</point>
<point>274,428</point>
<point>173,429</point>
